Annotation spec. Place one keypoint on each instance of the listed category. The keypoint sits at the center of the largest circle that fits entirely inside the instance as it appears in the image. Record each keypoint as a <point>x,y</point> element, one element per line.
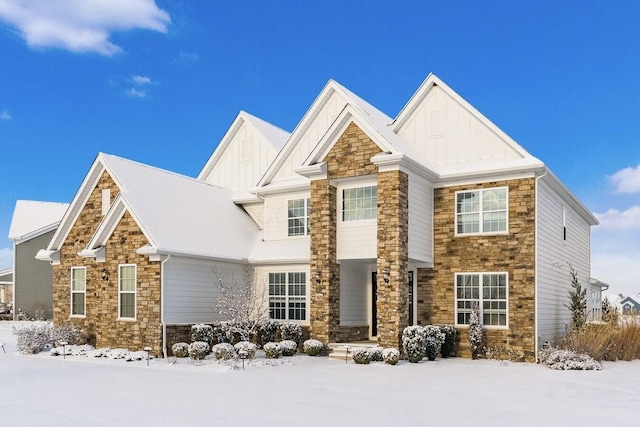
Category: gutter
<point>162,322</point>
<point>535,279</point>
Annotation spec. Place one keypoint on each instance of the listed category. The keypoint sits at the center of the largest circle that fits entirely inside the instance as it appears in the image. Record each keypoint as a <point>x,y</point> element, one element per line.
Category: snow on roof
<point>274,135</point>
<point>181,214</point>
<point>33,218</point>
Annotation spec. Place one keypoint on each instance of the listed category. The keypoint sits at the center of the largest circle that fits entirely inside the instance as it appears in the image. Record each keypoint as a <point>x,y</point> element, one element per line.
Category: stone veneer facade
<point>513,253</point>
<point>101,323</point>
<point>350,158</point>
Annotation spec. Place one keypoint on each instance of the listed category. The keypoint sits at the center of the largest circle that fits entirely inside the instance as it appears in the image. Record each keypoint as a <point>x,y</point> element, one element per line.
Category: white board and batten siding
<point>191,289</point>
<point>355,292</point>
<point>420,219</point>
<point>445,132</point>
<point>554,256</point>
<point>276,215</point>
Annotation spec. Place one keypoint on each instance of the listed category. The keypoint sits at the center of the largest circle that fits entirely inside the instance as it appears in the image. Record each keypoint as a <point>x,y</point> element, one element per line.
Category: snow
<point>33,218</point>
<point>80,390</point>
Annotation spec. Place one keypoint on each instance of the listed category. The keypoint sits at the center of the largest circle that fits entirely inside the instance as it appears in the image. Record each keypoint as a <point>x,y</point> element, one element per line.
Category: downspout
<point>164,325</point>
<point>535,287</point>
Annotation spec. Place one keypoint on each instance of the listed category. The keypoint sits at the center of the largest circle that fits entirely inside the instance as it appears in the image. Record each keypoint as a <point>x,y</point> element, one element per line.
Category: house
<point>357,225</point>
<point>32,226</point>
<point>594,299</point>
<point>629,305</point>
<point>6,290</point>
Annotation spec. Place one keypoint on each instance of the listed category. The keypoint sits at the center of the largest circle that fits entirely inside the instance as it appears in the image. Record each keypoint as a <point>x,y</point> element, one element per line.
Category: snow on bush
<point>272,350</point>
<point>246,346</point>
<point>289,347</point>
<point>223,351</point>
<point>291,331</point>
<point>267,331</point>
<point>222,332</point>
<point>117,353</point>
<point>33,339</point>
<point>413,343</point>
<point>81,350</point>
<point>67,332</point>
<point>376,353</point>
<point>180,349</point>
<point>476,334</point>
<point>137,355</point>
<point>198,350</point>
<point>390,356</point>
<point>312,347</point>
<point>433,340</point>
<point>202,332</point>
<point>568,360</point>
<point>450,336</point>
<point>99,352</point>
<point>361,355</point>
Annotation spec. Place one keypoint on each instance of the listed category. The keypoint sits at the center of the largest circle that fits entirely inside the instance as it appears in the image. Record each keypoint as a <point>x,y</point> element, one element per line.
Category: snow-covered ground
<point>44,390</point>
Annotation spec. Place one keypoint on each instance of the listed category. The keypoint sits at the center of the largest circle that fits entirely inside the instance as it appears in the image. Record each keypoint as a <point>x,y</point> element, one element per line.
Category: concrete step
<point>343,351</point>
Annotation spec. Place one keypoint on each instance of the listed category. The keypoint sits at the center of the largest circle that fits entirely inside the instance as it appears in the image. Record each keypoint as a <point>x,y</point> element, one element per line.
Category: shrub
<point>568,360</point>
<point>289,347</point>
<point>180,349</point>
<point>198,350</point>
<point>312,347</point>
<point>222,332</point>
<point>391,356</point>
<point>476,334</point>
<point>361,355</point>
<point>248,347</point>
<point>376,353</point>
<point>33,339</point>
<point>272,350</point>
<point>291,331</point>
<point>450,336</point>
<point>413,343</point>
<point>267,331</point>
<point>223,351</point>
<point>610,341</point>
<point>433,340</point>
<point>68,332</point>
<point>202,332</point>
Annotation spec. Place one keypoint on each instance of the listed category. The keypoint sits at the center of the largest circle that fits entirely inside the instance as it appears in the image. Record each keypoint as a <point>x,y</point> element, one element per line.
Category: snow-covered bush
<point>81,350</point>
<point>202,332</point>
<point>289,347</point>
<point>137,355</point>
<point>33,339</point>
<point>98,352</point>
<point>291,331</point>
<point>476,334</point>
<point>433,340</point>
<point>361,355</point>
<point>568,360</point>
<point>376,353</point>
<point>450,336</point>
<point>68,332</point>
<point>267,331</point>
<point>223,351</point>
<point>222,332</point>
<point>180,349</point>
<point>116,353</point>
<point>391,356</point>
<point>246,346</point>
<point>272,350</point>
<point>312,347</point>
<point>198,350</point>
<point>413,343</point>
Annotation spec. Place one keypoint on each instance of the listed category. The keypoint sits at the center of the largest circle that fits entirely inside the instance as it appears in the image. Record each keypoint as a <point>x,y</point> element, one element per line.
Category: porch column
<point>393,257</point>
<point>324,268</point>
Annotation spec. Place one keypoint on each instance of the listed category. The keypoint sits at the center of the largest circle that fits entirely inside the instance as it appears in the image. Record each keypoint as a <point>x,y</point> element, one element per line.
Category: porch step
<point>344,350</point>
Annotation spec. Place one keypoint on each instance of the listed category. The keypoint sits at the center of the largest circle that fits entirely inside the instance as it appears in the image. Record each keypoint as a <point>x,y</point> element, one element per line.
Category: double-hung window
<point>481,211</point>
<point>127,291</point>
<point>299,213</point>
<point>360,203</point>
<point>486,291</point>
<point>288,296</point>
<point>78,291</point>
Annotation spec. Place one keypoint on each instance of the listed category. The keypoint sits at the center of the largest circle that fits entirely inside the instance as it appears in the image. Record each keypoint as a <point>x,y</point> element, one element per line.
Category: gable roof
<point>177,214</point>
<point>6,276</point>
<point>34,218</point>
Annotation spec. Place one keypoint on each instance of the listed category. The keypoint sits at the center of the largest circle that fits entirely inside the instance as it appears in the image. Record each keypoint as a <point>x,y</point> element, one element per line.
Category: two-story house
<point>357,225</point>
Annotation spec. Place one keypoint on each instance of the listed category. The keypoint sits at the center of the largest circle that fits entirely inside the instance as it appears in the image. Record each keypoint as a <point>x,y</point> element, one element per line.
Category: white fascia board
<point>570,198</point>
<point>46,255</point>
<point>388,162</point>
<point>99,254</point>
<point>222,146</point>
<point>314,172</point>
<point>265,262</point>
<point>246,198</point>
<point>302,184</point>
<point>160,253</point>
<point>35,233</point>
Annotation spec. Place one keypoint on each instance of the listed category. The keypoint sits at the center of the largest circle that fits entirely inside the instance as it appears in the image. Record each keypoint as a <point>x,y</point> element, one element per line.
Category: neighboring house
<point>357,224</point>
<point>629,305</point>
<point>594,299</point>
<point>32,227</point>
<point>6,288</point>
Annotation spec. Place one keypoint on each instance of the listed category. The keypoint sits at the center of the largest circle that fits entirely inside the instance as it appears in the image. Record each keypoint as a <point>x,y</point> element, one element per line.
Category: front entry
<point>374,304</point>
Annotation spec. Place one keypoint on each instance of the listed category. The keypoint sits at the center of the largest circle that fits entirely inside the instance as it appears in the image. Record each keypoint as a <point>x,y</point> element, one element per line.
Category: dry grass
<point>609,341</point>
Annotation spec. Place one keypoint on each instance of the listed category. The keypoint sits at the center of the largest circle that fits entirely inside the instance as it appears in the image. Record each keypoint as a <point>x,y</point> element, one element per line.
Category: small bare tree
<point>242,302</point>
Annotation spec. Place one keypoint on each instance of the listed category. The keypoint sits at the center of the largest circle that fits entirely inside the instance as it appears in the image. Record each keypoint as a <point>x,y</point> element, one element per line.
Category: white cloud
<point>141,80</point>
<point>6,258</point>
<point>614,219</point>
<point>4,115</point>
<point>81,26</point>
<point>626,180</point>
<point>618,269</point>
<point>136,93</point>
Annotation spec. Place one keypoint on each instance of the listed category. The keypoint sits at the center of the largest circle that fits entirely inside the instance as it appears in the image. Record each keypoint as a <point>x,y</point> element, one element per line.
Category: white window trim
<point>356,183</point>
<point>72,292</point>
<point>480,274</point>
<point>307,218</point>
<point>480,212</point>
<point>135,293</point>
<point>304,321</point>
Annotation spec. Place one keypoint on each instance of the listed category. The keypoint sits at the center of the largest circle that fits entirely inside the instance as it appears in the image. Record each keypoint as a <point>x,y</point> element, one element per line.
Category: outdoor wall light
<point>385,275</point>
<point>105,275</point>
<point>318,277</point>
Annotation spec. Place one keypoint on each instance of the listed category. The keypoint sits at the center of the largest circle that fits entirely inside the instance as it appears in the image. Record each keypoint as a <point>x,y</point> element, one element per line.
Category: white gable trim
<point>35,233</point>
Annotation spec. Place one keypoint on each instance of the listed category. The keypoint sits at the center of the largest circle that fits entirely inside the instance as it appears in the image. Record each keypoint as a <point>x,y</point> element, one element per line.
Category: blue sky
<point>160,82</point>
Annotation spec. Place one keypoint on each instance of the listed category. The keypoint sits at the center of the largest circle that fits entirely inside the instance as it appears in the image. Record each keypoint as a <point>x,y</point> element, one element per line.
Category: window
<point>359,203</point>
<point>288,296</point>
<point>487,291</point>
<point>127,291</point>
<point>299,212</point>
<point>481,211</point>
<point>78,290</point>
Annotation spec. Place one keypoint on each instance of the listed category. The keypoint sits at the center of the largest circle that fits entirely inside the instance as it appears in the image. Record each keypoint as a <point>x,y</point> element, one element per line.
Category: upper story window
<point>78,290</point>
<point>486,291</point>
<point>481,211</point>
<point>360,203</point>
<point>127,291</point>
<point>299,212</point>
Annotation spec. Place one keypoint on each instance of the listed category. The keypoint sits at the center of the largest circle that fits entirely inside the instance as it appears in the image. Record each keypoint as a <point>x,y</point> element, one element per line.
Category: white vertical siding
<point>191,290</point>
<point>276,214</point>
<point>445,132</point>
<point>420,219</point>
<point>554,255</point>
<point>355,290</point>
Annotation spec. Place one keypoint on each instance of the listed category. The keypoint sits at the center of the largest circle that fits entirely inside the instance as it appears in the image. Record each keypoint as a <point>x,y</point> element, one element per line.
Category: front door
<point>374,304</point>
